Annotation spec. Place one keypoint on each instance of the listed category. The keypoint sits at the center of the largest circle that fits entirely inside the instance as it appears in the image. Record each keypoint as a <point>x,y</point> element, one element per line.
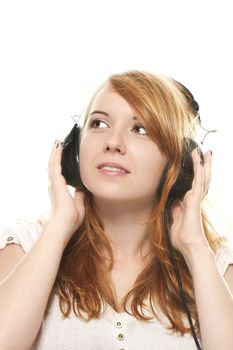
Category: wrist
<point>60,231</point>
<point>198,255</point>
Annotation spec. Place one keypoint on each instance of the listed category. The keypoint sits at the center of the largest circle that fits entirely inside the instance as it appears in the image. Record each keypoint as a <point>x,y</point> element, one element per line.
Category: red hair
<point>83,282</point>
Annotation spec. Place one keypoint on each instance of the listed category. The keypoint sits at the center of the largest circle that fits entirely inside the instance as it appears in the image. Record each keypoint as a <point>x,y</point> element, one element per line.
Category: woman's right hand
<point>67,210</point>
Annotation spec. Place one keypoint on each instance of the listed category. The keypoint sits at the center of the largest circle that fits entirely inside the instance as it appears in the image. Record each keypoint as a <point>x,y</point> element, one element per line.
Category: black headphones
<point>69,159</point>
<point>181,186</point>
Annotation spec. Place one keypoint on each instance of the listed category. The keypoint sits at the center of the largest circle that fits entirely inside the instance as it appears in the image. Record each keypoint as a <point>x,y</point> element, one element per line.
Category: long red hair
<point>83,283</point>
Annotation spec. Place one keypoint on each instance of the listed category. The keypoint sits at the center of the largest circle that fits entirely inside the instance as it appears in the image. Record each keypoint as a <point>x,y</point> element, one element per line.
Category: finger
<point>207,171</point>
<point>56,162</point>
<point>54,166</point>
<point>78,194</point>
<point>50,162</point>
<point>52,152</point>
<point>198,182</point>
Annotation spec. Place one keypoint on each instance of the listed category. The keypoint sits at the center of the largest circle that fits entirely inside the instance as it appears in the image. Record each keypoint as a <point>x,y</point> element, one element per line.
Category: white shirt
<point>112,331</point>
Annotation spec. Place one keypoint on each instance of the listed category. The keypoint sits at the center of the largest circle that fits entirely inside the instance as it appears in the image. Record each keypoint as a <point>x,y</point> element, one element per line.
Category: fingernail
<point>56,144</point>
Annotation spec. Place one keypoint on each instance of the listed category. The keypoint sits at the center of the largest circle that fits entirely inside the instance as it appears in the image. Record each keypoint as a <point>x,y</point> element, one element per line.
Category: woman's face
<point>118,160</point>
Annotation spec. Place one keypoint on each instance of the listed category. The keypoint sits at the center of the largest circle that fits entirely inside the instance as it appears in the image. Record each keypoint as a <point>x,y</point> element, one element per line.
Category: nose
<point>114,144</point>
<point>110,147</point>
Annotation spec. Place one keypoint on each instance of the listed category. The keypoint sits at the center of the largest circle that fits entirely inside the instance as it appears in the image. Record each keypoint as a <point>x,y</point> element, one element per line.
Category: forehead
<point>108,100</point>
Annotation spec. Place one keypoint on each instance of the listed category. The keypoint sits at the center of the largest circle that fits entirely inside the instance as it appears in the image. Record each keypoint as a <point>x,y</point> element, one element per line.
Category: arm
<point>214,297</point>
<point>24,293</point>
<point>25,290</point>
<point>9,258</point>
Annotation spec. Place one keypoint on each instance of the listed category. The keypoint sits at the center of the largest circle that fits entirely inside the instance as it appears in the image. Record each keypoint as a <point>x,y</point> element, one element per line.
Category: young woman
<point>101,272</point>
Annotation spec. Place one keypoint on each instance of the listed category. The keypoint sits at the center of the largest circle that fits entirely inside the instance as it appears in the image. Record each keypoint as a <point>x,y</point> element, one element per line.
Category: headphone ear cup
<point>185,178</point>
<point>70,160</point>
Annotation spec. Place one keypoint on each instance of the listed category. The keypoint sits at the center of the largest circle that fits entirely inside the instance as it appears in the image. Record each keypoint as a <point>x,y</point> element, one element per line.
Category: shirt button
<point>118,324</point>
<point>120,336</point>
<point>10,238</point>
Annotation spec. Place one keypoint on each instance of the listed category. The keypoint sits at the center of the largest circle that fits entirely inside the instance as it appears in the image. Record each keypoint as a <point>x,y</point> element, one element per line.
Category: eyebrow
<point>101,112</point>
<point>107,115</point>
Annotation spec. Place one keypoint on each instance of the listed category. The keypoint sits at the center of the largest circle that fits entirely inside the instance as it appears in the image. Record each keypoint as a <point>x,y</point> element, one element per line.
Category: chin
<point>119,198</point>
<point>120,193</point>
<point>110,196</point>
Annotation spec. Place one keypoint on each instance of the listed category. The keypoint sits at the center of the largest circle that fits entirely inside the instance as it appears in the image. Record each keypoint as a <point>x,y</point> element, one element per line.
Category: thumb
<point>79,195</point>
<point>175,211</point>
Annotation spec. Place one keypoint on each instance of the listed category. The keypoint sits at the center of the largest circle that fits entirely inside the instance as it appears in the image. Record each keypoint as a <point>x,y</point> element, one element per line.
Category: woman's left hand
<point>187,229</point>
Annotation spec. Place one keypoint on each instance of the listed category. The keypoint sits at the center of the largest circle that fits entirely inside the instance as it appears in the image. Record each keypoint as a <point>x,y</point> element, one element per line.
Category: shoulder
<point>224,260</point>
<point>24,232</point>
<point>224,257</point>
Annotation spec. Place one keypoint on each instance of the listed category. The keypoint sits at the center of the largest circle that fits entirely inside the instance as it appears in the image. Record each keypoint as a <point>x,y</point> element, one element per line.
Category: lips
<point>114,167</point>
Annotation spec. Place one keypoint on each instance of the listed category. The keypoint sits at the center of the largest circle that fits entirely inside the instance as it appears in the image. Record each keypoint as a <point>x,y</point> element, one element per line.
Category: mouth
<point>113,169</point>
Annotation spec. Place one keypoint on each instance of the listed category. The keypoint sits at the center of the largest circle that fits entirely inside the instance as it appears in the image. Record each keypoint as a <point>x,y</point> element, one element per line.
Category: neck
<point>125,227</point>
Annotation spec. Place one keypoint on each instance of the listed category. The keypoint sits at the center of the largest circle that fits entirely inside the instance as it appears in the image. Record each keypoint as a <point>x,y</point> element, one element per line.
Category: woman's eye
<point>98,124</point>
<point>140,129</point>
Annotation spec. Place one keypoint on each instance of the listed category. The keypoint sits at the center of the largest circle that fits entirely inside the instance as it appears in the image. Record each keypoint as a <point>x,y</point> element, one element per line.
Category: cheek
<point>87,160</point>
<point>153,170</point>
<point>84,154</point>
<point>84,147</point>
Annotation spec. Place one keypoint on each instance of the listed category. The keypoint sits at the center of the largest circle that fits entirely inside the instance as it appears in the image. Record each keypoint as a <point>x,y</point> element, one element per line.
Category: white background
<point>53,54</point>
